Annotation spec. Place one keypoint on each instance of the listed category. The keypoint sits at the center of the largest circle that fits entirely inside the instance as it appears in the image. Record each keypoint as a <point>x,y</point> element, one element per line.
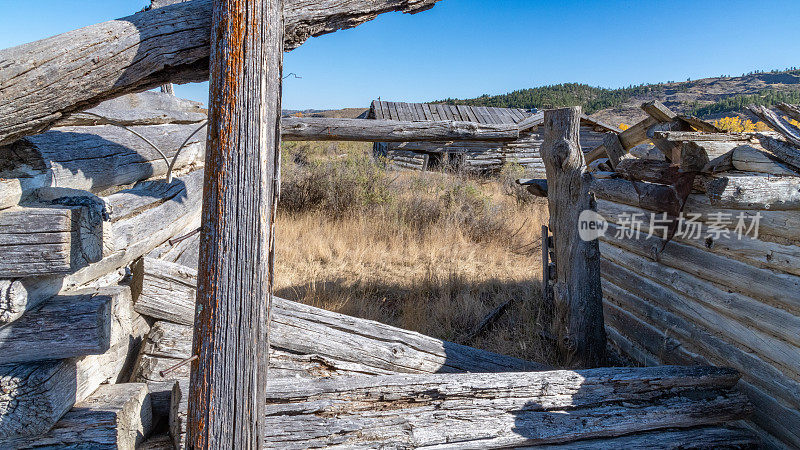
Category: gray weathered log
<point>166,291</point>
<point>141,52</point>
<point>648,170</point>
<point>614,148</point>
<point>178,411</point>
<point>695,438</point>
<point>142,218</point>
<point>751,158</point>
<point>754,191</point>
<point>578,318</point>
<point>143,108</point>
<point>35,396</point>
<point>48,240</point>
<point>65,327</point>
<point>115,416</point>
<point>537,187</point>
<point>497,410</point>
<point>97,158</point>
<point>331,129</point>
<point>781,149</point>
<point>787,130</point>
<point>793,111</point>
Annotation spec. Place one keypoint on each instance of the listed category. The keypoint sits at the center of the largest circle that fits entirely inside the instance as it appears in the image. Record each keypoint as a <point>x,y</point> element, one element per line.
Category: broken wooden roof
<point>421,112</point>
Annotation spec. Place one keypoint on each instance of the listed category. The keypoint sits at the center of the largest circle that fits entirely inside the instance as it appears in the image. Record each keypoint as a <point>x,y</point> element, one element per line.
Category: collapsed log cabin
<point>98,284</point>
<point>475,155</point>
<point>699,255</point>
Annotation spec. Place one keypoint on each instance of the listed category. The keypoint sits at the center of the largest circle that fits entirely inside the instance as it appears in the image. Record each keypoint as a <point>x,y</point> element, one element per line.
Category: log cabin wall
<point>473,155</point>
<point>710,297</point>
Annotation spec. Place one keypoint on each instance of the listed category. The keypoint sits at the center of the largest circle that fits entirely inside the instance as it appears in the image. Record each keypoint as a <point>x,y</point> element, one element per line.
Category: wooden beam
<point>658,111</point>
<point>614,149</point>
<point>648,170</point>
<point>782,150</point>
<point>331,129</point>
<point>115,416</point>
<point>234,289</point>
<point>578,319</point>
<point>141,52</point>
<point>754,191</point>
<point>497,410</point>
<point>793,111</point>
<point>787,130</point>
<point>166,291</point>
<point>48,240</point>
<point>537,187</point>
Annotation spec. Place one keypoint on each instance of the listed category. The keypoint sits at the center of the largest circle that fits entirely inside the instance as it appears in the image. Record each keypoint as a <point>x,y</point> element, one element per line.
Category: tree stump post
<point>242,173</point>
<point>577,296</point>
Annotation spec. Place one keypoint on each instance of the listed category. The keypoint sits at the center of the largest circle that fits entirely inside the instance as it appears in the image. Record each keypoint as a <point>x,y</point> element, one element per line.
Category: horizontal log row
<point>34,396</point>
<point>115,416</point>
<point>140,219</point>
<point>703,307</point>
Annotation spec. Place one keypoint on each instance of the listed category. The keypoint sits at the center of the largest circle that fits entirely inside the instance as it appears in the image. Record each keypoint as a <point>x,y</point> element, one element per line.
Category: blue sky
<point>465,48</point>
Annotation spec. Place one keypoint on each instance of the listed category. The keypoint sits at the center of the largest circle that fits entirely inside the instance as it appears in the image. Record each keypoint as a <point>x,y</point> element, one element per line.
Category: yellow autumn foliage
<point>624,126</point>
<point>739,125</point>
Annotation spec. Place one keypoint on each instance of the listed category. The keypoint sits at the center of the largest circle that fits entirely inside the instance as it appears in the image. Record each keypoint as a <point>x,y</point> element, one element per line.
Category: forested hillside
<point>707,98</point>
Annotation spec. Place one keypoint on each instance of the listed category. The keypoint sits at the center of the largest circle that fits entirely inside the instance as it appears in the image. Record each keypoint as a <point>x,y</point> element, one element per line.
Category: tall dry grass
<point>429,252</point>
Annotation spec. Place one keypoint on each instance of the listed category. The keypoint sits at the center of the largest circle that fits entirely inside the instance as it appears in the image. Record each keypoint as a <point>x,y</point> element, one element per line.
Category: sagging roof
<point>424,112</point>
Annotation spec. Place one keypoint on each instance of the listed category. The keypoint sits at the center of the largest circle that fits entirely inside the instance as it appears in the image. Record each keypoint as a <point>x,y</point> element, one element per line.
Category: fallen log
<point>97,158</point>
<point>328,129</point>
<point>754,191</point>
<point>35,396</point>
<point>141,219</point>
<point>498,410</point>
<point>167,291</point>
<point>48,240</point>
<point>115,416</point>
<point>782,150</point>
<point>750,158</point>
<point>141,52</point>
<point>537,187</point>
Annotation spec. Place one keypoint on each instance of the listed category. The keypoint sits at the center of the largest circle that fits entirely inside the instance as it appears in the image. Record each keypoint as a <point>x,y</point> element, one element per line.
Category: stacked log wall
<point>712,299</point>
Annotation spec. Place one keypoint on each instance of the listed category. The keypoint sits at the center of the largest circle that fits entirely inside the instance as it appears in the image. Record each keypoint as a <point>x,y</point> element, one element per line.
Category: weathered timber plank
<point>48,240</point>
<point>614,148</point>
<point>782,290</point>
<point>115,416</point>
<point>140,52</point>
<point>695,438</point>
<point>633,275</point>
<point>578,314</point>
<point>328,129</point>
<point>35,396</point>
<point>782,150</point>
<point>716,351</point>
<point>166,291</point>
<point>146,216</point>
<point>96,158</point>
<point>511,410</point>
<point>787,130</point>
<point>754,191</point>
<point>143,108</point>
<point>65,327</point>
<point>653,171</point>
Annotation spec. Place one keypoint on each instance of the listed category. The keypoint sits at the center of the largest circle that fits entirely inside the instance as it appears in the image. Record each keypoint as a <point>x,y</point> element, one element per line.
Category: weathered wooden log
<point>65,327</point>
<point>662,172</point>
<point>699,124</point>
<point>646,151</point>
<point>96,158</point>
<point>167,291</point>
<point>782,150</point>
<point>178,412</point>
<point>48,240</point>
<point>35,396</point>
<point>701,310</point>
<point>793,111</point>
<point>141,219</point>
<point>329,129</point>
<point>237,241</point>
<point>754,191</point>
<point>503,410</point>
<point>614,148</point>
<point>115,416</point>
<point>749,158</point>
<point>782,290</point>
<point>140,52</point>
<point>787,130</point>
<point>699,347</point>
<point>774,226</point>
<point>633,136</point>
<point>727,242</point>
<point>143,108</point>
<point>578,318</point>
<point>537,187</point>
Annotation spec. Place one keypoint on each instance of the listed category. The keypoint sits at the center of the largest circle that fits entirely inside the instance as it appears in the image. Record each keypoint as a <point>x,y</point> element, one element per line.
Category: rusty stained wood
<point>234,291</point>
<point>578,318</point>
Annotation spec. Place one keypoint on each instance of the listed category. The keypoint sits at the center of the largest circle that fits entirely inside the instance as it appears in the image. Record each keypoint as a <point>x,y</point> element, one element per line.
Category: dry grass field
<point>429,252</point>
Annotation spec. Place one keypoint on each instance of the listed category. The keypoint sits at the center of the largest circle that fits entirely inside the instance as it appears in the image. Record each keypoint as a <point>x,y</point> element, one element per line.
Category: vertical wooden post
<point>231,335</point>
<point>578,299</point>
